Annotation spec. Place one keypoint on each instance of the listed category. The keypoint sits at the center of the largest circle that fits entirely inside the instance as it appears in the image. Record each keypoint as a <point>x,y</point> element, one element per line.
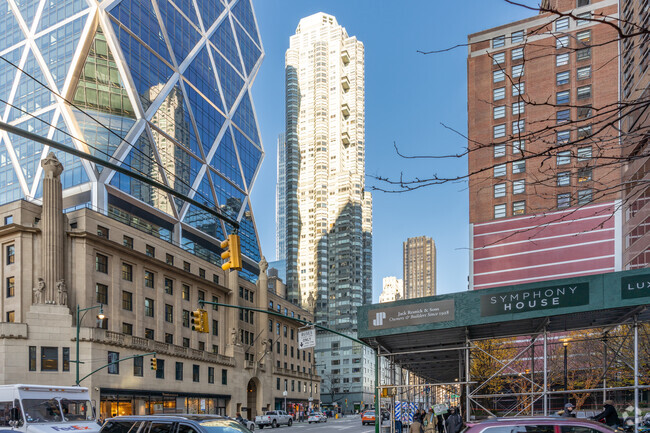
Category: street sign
<point>284,393</point>
<point>439,409</point>
<point>307,338</point>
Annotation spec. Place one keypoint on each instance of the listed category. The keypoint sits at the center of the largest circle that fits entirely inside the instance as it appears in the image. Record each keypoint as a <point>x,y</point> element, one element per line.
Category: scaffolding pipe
<point>545,389</point>
<point>636,375</point>
<point>467,379</point>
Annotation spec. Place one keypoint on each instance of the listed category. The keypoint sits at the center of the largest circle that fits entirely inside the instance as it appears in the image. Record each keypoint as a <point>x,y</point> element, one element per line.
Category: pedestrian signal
<point>231,254</point>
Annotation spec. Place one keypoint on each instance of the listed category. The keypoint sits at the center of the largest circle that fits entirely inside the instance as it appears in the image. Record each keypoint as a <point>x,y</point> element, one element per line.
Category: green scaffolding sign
<point>637,286</point>
<point>543,298</point>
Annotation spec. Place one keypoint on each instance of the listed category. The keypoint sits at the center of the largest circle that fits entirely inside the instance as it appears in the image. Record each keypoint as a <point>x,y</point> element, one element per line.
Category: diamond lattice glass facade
<point>158,86</point>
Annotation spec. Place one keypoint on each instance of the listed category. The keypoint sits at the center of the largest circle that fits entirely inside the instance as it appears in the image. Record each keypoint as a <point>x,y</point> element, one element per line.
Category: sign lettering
<point>413,314</point>
<point>637,286</point>
<point>544,298</point>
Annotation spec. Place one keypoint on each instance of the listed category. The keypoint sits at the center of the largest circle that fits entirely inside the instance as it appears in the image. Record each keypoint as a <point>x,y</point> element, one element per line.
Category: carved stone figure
<point>264,349</point>
<point>233,336</point>
<point>62,291</point>
<point>311,302</point>
<point>39,291</point>
<point>264,265</point>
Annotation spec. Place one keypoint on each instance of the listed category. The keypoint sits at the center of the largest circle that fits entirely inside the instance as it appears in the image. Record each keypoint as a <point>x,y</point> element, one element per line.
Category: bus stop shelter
<point>442,339</point>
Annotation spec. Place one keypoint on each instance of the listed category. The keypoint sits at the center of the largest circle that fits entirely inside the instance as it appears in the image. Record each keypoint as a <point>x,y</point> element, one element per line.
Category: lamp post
<point>100,316</point>
<point>565,343</point>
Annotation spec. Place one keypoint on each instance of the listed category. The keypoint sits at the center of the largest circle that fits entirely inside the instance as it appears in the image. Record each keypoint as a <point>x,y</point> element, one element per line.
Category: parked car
<point>317,417</point>
<point>274,418</point>
<point>368,417</point>
<point>538,425</point>
<point>173,423</point>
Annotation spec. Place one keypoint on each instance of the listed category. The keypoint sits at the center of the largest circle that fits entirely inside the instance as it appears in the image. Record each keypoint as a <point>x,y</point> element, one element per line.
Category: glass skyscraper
<point>158,86</point>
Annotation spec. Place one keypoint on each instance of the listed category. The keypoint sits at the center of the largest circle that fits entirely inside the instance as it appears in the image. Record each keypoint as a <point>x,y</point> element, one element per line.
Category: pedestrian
<point>239,419</point>
<point>430,422</point>
<point>100,420</point>
<point>440,422</point>
<point>454,422</point>
<point>416,425</point>
<point>608,415</point>
<point>568,411</point>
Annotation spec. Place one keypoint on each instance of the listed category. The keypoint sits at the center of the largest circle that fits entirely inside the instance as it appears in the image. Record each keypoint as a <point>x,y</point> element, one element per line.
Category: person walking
<point>416,425</point>
<point>608,415</point>
<point>568,411</point>
<point>430,422</point>
<point>454,422</point>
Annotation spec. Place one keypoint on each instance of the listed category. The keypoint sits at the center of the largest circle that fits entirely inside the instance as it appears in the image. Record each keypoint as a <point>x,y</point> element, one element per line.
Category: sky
<point>412,100</point>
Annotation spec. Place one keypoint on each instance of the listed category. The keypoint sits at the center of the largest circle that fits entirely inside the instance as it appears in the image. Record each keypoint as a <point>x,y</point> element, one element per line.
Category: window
<point>185,292</point>
<point>563,116</point>
<point>160,370</point>
<point>518,108</point>
<point>201,272</point>
<point>518,167</point>
<point>127,241</point>
<point>127,300</point>
<point>518,146</point>
<point>148,307</point>
<point>186,266</point>
<point>580,3</point>
<point>518,126</point>
<point>500,112</point>
<point>562,42</point>
<point>113,368</point>
<point>584,132</point>
<point>518,89</point>
<point>584,174</point>
<point>9,219</point>
<point>169,259</point>
<point>195,373</point>
<point>49,358</point>
<point>562,24</point>
<point>564,178</point>
<point>11,316</point>
<point>102,232</point>
<point>499,190</point>
<point>583,19</point>
<point>519,186</point>
<point>517,37</point>
<point>562,97</point>
<point>498,58</point>
<point>584,37</point>
<point>150,251</point>
<point>499,170</point>
<point>186,342</point>
<point>584,72</point>
<point>519,208</point>
<point>584,92</point>
<point>169,286</point>
<point>224,377</point>
<point>563,137</point>
<point>148,334</point>
<point>584,196</point>
<point>127,272</point>
<point>517,71</point>
<point>101,291</point>
<point>563,200</point>
<point>499,93</point>
<point>127,328</point>
<point>210,374</point>
<point>499,211</point>
<point>498,76</point>
<point>562,78</point>
<point>584,112</point>
<point>101,263</point>
<point>499,150</point>
<point>186,319</point>
<point>498,42</point>
<point>583,54</point>
<point>499,131</point>
<point>215,299</point>
<point>562,59</point>
<point>11,287</point>
<point>517,53</point>
<point>584,154</point>
<point>169,313</point>
<point>32,358</point>
<point>563,158</point>
<point>215,327</point>
<point>201,295</point>
<point>277,383</point>
<point>138,366</point>
<point>215,278</point>
<point>179,371</point>
<point>148,279</point>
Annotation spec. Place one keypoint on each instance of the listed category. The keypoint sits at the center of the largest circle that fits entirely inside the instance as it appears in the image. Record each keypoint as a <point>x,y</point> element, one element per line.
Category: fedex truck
<point>46,409</point>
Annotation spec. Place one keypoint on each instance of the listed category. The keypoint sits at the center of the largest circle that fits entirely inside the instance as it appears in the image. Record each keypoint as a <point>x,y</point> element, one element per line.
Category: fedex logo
<point>70,428</point>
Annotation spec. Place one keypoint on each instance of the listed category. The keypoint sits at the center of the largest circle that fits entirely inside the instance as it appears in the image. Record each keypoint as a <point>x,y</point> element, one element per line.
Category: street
<point>349,423</point>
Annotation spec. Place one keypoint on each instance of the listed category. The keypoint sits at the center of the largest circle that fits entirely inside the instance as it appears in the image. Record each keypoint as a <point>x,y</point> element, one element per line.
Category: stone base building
<point>55,262</point>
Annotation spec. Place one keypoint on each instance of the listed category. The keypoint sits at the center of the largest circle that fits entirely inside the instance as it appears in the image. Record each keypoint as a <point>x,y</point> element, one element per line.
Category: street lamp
<point>565,343</point>
<point>80,317</point>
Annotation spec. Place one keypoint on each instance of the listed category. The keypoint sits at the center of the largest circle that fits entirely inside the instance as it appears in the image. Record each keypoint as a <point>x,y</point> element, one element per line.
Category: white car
<point>317,417</point>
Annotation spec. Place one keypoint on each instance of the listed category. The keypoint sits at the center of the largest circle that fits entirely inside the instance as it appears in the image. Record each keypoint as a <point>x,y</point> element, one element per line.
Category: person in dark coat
<point>568,411</point>
<point>609,414</point>
<point>454,422</point>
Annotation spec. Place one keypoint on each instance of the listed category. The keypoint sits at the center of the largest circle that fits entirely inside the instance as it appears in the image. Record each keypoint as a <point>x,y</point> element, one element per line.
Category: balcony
<point>345,83</point>
<point>248,364</point>
<point>345,110</point>
<point>345,57</point>
<point>345,138</point>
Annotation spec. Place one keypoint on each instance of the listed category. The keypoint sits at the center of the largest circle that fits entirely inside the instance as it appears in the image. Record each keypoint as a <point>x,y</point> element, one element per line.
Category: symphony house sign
<point>543,298</point>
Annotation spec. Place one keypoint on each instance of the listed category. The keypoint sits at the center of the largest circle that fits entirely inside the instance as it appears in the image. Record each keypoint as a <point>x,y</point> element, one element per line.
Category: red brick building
<point>543,162</point>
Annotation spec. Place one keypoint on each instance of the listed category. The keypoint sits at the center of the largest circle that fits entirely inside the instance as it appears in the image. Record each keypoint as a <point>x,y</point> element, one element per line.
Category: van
<point>173,423</point>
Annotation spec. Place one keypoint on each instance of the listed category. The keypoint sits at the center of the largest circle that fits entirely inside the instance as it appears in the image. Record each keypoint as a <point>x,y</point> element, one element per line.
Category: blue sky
<point>408,98</point>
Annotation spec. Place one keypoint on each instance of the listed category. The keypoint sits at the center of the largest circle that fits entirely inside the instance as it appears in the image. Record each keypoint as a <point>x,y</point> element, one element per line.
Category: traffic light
<point>200,321</point>
<point>154,364</point>
<point>232,253</point>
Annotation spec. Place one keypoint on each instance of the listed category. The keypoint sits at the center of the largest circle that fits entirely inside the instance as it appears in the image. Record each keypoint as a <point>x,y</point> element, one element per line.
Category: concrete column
<point>53,232</point>
<point>262,303</point>
<point>232,314</point>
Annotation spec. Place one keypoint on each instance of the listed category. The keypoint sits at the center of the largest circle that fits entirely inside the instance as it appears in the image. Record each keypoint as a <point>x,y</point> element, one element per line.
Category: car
<point>368,417</point>
<point>317,417</point>
<point>538,425</point>
<point>174,423</point>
